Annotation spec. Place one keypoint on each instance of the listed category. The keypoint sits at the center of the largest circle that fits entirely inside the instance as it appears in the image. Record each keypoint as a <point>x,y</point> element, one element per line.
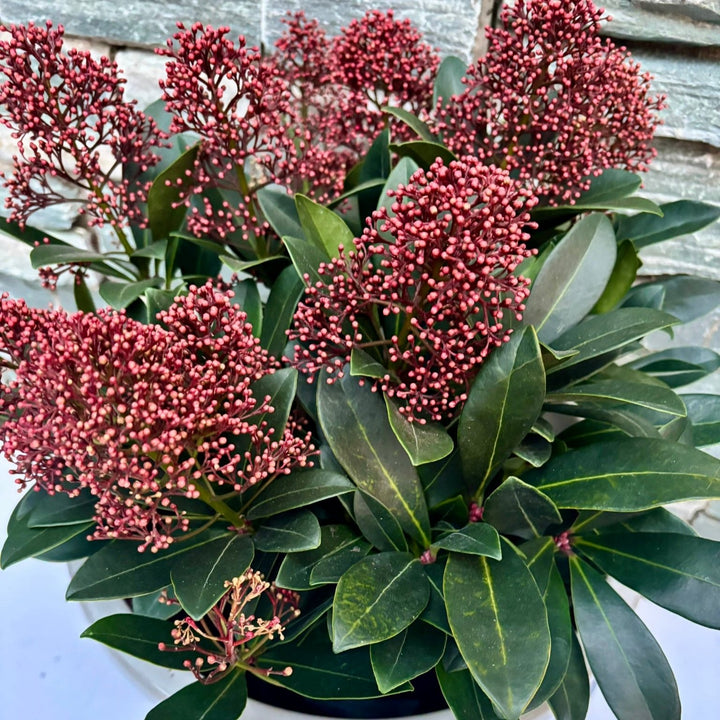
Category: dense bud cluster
<point>434,276</point>
<point>75,130</point>
<point>552,101</point>
<point>139,414</point>
<point>226,637</point>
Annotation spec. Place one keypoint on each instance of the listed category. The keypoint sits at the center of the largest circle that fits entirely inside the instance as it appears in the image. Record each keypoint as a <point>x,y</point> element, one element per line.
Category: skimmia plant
<point>411,430</point>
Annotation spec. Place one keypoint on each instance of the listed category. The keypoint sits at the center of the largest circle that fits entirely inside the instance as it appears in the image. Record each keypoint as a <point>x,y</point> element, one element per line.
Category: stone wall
<point>678,41</point>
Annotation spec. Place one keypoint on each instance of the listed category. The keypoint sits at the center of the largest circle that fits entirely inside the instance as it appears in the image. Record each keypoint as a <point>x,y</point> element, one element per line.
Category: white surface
<point>48,673</point>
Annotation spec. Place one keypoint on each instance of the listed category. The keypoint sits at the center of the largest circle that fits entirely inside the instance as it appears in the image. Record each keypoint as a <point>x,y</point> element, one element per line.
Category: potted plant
<point>416,432</point>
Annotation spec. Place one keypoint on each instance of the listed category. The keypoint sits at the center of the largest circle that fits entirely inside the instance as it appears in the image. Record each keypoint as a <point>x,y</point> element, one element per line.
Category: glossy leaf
<point>448,81</point>
<point>199,580</point>
<point>297,490</point>
<point>477,538</point>
<point>333,566</point>
<point>362,364</point>
<point>442,480</point>
<point>278,207</point>
<point>242,266</point>
<point>534,449</point>
<point>656,520</point>
<point>621,279</point>
<point>247,297</point>
<point>424,153</point>
<point>410,653</point>
<point>423,443</point>
<point>601,334</point>
<point>377,598</point>
<point>679,366</point>
<point>704,414</point>
<point>435,613</point>
<point>680,217</point>
<point>138,636</point>
<point>628,475</point>
<point>609,187</point>
<point>516,508</point>
<point>355,424</point>
<point>56,254</point>
<point>60,509</point>
<point>677,572</point>
<point>627,662</point>
<point>378,524</point>
<point>280,386</point>
<point>570,701</point>
<point>120,295</point>
<point>420,128</point>
<point>306,259</point>
<point>573,278</point>
<point>81,294</point>
<point>400,175</point>
<point>685,297</point>
<point>504,402</point>
<point>500,624</point>
<point>165,211</point>
<point>294,572</point>
<point>155,250</point>
<point>321,674</point>
<point>120,571</point>
<point>323,228</point>
<point>222,700</point>
<point>150,605</point>
<point>289,533</point>
<point>279,310</point>
<point>464,696</point>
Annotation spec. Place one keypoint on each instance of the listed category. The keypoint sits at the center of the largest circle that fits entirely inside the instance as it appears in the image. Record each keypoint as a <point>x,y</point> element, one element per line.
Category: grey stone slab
<point>142,69</point>
<point>137,22</point>
<point>674,21</point>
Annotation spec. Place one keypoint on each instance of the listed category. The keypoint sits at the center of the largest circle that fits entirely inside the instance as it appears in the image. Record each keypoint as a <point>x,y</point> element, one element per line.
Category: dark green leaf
<point>138,636</point>
<point>627,662</point>
<point>247,296</point>
<point>442,480</point>
<point>627,475</point>
<point>362,364</point>
<point>279,210</point>
<point>323,228</point>
<point>294,572</point>
<point>61,509</point>
<point>279,311</point>
<point>621,279</point>
<point>681,217</point>
<point>155,250</point>
<point>656,520</point>
<point>354,422</point>
<point>571,700</point>
<point>240,266</point>
<point>534,449</point>
<point>378,524</point>
<point>423,443</point>
<point>83,297</point>
<point>319,673</point>
<point>334,565</point>
<point>500,624</point>
<point>464,696</point>
<point>477,538</point>
<point>222,700</point>
<point>448,81</point>
<point>401,174</point>
<point>419,127</point>
<point>279,387</point>
<point>410,653</point>
<point>424,153</point>
<point>56,254</point>
<point>150,605</point>
<point>199,580</point>
<point>704,414</point>
<point>573,278</point>
<point>294,532</point>
<point>504,402</point>
<point>435,613</point>
<point>678,366</point>
<point>600,334</point>
<point>120,571</point>
<point>611,186</point>
<point>516,508</point>
<point>377,598</point>
<point>677,572</point>
<point>298,489</point>
<point>306,258</point>
<point>76,548</point>
<point>377,162</point>
<point>165,211</point>
<point>684,297</point>
<point>120,295</point>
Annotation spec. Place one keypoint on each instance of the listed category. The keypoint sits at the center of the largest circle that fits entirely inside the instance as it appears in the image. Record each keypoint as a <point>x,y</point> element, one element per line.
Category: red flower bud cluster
<point>139,414</point>
<point>341,84</point>
<point>239,107</point>
<point>554,102</point>
<point>434,276</point>
<point>75,131</point>
<point>225,637</point>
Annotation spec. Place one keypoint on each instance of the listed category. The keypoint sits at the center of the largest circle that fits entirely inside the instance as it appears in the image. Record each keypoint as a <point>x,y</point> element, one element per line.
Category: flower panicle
<point>226,637</point>
<point>438,267</point>
<point>74,128</point>
<point>140,415</point>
